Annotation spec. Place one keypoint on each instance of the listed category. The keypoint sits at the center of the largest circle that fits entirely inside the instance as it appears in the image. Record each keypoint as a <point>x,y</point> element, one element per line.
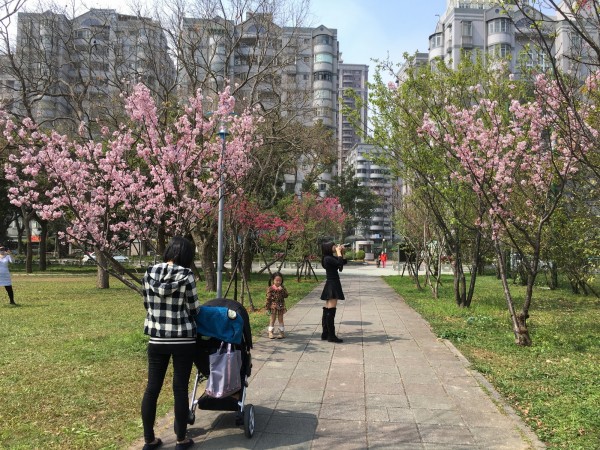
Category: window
<point>500,50</point>
<point>576,41</point>
<point>324,57</point>
<point>435,40</point>
<point>323,93</point>
<point>323,39</point>
<point>323,112</point>
<point>538,59</point>
<point>306,59</point>
<point>499,26</point>
<point>322,76</point>
<point>467,29</point>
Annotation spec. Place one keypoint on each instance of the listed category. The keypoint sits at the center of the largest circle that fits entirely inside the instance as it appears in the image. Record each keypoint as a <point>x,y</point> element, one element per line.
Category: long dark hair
<point>180,251</point>
<point>276,274</point>
<point>326,250</point>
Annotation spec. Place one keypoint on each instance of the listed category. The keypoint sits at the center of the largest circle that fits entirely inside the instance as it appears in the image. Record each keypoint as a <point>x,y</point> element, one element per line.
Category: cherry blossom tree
<point>518,158</point>
<point>136,180</point>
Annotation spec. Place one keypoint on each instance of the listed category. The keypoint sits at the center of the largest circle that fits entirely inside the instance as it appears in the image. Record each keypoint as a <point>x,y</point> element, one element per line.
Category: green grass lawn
<point>554,384</point>
<point>73,361</point>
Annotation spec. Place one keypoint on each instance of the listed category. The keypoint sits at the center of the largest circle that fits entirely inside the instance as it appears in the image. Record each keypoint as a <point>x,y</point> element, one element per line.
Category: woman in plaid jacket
<point>171,303</point>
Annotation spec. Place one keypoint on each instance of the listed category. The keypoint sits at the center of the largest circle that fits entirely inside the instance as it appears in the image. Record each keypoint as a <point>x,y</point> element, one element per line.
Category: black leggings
<point>158,362</point>
<point>11,296</point>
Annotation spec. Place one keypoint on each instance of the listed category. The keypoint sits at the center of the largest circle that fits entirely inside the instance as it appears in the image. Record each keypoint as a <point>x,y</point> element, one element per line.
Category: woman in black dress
<point>333,262</point>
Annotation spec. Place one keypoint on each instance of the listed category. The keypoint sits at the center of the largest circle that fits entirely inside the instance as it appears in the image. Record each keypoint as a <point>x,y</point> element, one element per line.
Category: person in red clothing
<point>383,259</point>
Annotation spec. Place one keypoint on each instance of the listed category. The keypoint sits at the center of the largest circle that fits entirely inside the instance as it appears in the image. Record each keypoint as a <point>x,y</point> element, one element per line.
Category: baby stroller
<point>223,321</point>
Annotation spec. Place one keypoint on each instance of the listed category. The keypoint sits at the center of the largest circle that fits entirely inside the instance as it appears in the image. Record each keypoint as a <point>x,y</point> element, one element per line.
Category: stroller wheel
<point>249,421</point>
<point>191,417</point>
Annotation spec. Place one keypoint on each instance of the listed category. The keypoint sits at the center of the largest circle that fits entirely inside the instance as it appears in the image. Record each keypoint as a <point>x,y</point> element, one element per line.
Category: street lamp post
<point>223,134</point>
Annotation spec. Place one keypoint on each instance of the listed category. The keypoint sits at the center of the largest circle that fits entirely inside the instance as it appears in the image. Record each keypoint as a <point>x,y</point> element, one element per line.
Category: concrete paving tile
<point>319,356</point>
<point>433,390</point>
<point>297,394</point>
<point>342,410</point>
<point>393,432</point>
<point>392,445</point>
<point>265,379</point>
<point>483,404</point>
<point>475,418</point>
<point>287,441</point>
<point>347,398</point>
<point>341,428</point>
<point>347,384</point>
<point>382,378</point>
<point>452,447</point>
<point>339,443</point>
<point>401,415</point>
<point>492,435</point>
<point>427,402</point>
<point>310,367</point>
<point>377,415</point>
<point>381,366</point>
<point>354,360</point>
<point>288,424</point>
<point>260,396</point>
<point>298,408</point>
<point>446,434</point>
<point>387,400</point>
<point>309,383</point>
<point>279,364</point>
<point>384,388</point>
<point>438,416</point>
<point>217,441</point>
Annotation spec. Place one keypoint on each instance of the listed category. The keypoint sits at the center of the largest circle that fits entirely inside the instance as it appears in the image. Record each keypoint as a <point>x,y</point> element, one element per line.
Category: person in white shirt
<point>5,260</point>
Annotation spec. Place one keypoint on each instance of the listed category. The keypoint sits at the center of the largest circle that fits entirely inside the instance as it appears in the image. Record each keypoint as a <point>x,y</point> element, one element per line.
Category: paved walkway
<point>391,384</point>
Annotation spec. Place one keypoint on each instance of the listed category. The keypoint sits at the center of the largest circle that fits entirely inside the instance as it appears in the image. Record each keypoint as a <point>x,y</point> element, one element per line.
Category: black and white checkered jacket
<point>171,302</point>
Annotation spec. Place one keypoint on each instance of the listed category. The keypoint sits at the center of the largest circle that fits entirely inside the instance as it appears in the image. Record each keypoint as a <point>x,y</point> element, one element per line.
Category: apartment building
<point>352,78</point>
<point>77,68</point>
<point>293,70</point>
<point>380,230</point>
<point>487,28</point>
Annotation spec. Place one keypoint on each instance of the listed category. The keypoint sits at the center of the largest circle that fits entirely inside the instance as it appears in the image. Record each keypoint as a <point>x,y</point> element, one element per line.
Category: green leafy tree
<point>358,201</point>
<point>423,164</point>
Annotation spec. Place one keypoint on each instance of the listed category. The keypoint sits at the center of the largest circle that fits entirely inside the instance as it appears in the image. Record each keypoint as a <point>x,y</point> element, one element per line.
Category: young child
<point>275,305</point>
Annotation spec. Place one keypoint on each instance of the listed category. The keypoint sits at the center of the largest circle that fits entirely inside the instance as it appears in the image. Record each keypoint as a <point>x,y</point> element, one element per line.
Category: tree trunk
<point>28,247</point>
<point>43,245</point>
<point>247,256</point>
<point>207,253</point>
<point>20,231</point>
<point>102,278</point>
<point>475,269</point>
<point>519,321</point>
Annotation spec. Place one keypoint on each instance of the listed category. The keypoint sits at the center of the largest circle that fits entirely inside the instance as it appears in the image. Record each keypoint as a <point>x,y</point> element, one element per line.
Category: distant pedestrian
<point>171,303</point>
<point>333,262</point>
<point>378,262</point>
<point>275,305</point>
<point>383,259</point>
<point>5,280</point>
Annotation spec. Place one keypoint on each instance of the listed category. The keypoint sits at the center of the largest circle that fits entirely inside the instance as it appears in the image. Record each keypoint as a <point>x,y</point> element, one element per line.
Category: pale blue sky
<point>374,29</point>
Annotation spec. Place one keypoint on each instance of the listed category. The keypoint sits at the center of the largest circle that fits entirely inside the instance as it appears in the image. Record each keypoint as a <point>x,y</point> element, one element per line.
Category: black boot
<point>331,326</point>
<point>324,334</point>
